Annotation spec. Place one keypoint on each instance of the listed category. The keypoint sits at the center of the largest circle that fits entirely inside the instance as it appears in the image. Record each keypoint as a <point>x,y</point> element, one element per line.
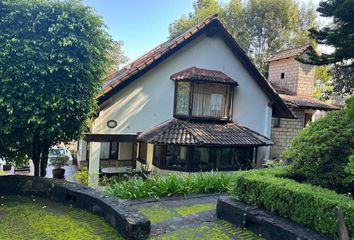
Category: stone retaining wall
<point>128,222</point>
<point>262,222</point>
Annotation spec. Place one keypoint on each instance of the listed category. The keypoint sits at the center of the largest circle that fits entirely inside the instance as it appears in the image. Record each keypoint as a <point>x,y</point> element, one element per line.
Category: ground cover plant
<point>25,217</point>
<point>309,205</point>
<point>172,184</point>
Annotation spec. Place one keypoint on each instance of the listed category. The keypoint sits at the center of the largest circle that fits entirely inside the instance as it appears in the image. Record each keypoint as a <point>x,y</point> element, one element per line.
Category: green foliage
<point>261,27</point>
<point>323,83</point>
<point>321,152</point>
<point>82,176</point>
<point>53,55</point>
<point>169,185</point>
<point>306,204</point>
<point>338,34</point>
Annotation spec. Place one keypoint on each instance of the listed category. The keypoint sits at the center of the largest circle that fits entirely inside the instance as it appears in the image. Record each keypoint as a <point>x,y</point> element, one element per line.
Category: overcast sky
<point>143,24</point>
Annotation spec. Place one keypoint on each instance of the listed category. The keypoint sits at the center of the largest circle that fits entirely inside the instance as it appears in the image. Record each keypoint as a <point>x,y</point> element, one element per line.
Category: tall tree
<point>202,9</point>
<point>339,34</point>
<point>261,27</point>
<point>118,55</point>
<point>53,55</point>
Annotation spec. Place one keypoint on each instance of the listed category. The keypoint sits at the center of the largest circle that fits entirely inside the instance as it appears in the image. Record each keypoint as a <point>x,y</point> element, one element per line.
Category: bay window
<point>202,100</point>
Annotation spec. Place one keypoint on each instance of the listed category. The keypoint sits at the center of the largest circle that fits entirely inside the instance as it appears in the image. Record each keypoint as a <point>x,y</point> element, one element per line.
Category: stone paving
<point>189,218</point>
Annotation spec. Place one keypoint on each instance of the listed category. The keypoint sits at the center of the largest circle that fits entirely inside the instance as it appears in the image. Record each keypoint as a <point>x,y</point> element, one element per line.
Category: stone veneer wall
<point>288,129</point>
<point>290,67</point>
<point>306,80</point>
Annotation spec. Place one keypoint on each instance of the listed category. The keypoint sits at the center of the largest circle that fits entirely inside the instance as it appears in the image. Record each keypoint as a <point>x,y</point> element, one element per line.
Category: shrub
<point>321,153</point>
<point>173,184</point>
<point>312,206</point>
<point>82,176</point>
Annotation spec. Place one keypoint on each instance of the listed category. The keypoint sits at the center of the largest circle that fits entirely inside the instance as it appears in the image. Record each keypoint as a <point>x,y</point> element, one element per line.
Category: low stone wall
<point>128,222</point>
<point>262,222</point>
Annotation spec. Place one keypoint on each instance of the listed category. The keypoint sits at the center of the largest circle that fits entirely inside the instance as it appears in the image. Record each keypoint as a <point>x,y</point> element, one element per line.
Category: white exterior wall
<point>148,101</point>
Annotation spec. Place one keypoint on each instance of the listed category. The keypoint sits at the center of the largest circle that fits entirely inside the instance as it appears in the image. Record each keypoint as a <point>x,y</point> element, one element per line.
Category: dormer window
<point>202,93</point>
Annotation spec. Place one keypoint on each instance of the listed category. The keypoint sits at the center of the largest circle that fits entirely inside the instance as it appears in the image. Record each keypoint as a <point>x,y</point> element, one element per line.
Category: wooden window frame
<point>228,102</point>
<point>110,156</point>
<point>142,156</point>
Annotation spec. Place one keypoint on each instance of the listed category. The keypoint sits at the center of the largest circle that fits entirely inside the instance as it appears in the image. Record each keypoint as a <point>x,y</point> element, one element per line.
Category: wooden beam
<point>90,137</point>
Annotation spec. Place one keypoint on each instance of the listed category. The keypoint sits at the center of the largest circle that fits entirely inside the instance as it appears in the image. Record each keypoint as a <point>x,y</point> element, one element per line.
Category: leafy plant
<point>169,185</point>
<point>321,152</point>
<point>59,161</point>
<point>82,176</point>
<point>312,206</point>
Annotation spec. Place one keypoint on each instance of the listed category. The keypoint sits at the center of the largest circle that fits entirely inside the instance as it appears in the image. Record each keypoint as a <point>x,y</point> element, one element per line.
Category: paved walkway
<point>69,171</point>
<point>189,218</point>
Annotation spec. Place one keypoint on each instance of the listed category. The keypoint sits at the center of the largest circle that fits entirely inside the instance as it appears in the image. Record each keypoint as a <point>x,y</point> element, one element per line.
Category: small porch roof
<point>201,74</point>
<point>182,132</point>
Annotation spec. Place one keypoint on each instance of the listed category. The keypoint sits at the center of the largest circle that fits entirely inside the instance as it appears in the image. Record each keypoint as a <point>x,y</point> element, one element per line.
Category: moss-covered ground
<point>217,230</point>
<point>23,218</point>
<point>190,219</point>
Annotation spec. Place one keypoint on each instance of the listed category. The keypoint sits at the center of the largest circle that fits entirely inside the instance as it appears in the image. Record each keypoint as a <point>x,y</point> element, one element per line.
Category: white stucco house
<point>195,102</point>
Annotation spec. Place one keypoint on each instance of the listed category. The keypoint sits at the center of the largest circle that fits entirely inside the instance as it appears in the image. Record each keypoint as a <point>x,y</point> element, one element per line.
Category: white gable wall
<point>148,101</point>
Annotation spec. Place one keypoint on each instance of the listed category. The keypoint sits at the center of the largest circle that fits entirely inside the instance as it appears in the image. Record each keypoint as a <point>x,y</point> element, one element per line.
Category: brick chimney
<point>287,73</point>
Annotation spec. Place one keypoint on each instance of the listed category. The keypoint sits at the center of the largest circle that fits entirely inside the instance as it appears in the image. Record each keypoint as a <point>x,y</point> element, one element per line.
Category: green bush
<point>312,206</point>
<point>173,184</point>
<point>82,176</point>
<point>321,153</point>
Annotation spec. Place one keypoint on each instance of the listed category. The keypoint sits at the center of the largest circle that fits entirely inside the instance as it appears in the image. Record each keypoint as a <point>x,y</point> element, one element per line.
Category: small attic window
<point>282,75</point>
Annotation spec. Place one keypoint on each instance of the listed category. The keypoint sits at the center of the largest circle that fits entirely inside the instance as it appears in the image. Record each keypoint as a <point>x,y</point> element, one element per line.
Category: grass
<point>173,184</point>
<point>37,218</point>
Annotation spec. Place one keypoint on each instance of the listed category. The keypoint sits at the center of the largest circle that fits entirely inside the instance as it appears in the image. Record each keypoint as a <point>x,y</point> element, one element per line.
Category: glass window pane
<point>211,100</point>
<point>104,152</point>
<point>176,156</point>
<point>114,150</point>
<point>182,99</point>
<point>202,159</point>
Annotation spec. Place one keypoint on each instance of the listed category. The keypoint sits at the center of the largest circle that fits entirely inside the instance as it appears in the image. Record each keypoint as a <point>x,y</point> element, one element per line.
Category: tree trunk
<point>44,159</point>
<point>36,152</point>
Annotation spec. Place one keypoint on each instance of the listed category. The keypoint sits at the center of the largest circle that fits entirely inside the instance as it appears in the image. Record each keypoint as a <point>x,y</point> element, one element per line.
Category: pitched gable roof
<point>211,26</point>
<point>292,52</point>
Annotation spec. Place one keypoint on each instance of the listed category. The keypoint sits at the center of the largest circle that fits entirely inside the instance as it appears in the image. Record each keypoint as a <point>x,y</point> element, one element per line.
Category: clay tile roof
<point>201,74</point>
<point>152,56</point>
<point>295,101</point>
<point>292,52</point>
<point>182,132</point>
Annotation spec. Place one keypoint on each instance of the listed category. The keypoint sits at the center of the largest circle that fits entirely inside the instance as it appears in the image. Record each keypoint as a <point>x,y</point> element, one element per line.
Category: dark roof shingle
<point>201,74</point>
<point>292,52</point>
<point>294,101</point>
<point>182,132</point>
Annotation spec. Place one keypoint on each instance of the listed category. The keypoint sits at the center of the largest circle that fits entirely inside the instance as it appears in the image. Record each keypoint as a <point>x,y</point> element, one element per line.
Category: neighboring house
<point>193,103</point>
<point>294,82</point>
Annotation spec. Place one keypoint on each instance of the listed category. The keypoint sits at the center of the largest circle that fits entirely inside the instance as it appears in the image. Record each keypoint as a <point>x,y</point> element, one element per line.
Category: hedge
<point>172,184</point>
<point>309,205</point>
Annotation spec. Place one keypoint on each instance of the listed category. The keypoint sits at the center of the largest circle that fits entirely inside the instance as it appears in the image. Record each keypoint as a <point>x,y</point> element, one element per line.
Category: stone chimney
<point>287,73</point>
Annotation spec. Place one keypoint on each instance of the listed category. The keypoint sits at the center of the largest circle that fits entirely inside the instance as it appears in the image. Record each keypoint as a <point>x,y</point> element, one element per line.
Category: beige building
<point>294,82</point>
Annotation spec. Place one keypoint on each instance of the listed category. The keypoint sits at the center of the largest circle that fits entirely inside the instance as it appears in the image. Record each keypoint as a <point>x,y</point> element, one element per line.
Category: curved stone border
<point>128,222</point>
<point>262,222</point>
